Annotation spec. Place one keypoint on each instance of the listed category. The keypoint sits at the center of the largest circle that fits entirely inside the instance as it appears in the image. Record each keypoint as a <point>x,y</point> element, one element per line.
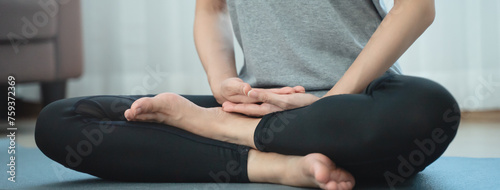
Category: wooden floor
<point>476,139</point>
<point>477,136</point>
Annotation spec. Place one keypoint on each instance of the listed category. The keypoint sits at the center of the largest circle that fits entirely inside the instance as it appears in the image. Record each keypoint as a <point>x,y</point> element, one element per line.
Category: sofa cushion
<point>33,62</point>
<point>28,19</point>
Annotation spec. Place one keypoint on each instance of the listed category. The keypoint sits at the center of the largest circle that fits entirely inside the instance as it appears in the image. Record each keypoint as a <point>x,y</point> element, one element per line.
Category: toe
<point>342,178</point>
<point>332,185</point>
<point>142,104</point>
<point>347,185</point>
<point>345,176</point>
<point>150,117</point>
<point>148,105</point>
<point>128,115</point>
<point>321,173</point>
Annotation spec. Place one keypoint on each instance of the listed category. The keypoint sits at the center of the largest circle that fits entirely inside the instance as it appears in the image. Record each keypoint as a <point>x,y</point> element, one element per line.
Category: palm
<point>235,90</point>
<point>271,102</point>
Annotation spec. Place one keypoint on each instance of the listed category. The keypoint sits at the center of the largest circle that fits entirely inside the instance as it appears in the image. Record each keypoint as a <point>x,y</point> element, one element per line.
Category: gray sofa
<point>41,41</point>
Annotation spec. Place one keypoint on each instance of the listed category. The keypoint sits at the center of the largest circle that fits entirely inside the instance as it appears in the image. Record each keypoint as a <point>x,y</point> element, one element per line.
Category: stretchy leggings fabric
<point>394,129</point>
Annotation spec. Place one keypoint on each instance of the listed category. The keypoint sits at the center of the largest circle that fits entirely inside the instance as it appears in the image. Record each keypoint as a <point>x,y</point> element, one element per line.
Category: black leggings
<point>394,129</point>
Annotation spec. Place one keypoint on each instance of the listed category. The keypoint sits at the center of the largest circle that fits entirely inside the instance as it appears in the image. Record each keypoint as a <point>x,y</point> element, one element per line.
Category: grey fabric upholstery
<point>40,41</point>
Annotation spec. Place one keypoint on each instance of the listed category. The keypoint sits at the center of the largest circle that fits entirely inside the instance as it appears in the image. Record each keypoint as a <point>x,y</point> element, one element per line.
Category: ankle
<point>217,125</point>
<point>231,127</point>
<point>266,167</point>
<point>289,169</point>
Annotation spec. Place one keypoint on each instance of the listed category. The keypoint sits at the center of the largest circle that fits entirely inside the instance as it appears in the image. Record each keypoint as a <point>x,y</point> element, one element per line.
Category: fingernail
<point>249,93</point>
<point>138,111</point>
<point>253,95</point>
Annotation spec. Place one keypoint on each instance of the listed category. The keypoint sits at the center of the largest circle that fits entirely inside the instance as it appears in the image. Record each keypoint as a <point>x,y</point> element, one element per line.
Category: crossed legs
<point>91,135</point>
<point>370,135</point>
<point>312,170</point>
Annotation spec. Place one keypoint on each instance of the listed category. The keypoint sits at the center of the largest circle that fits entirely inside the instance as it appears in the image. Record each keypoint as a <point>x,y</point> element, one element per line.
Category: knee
<point>432,121</point>
<point>437,107</point>
<point>419,102</point>
<point>50,121</point>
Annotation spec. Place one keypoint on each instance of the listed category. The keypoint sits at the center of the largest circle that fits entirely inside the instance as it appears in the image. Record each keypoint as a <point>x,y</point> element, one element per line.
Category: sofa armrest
<point>69,40</point>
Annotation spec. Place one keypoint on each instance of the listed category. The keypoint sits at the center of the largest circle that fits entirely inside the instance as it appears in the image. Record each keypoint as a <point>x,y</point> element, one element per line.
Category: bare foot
<point>312,170</point>
<point>317,170</point>
<point>177,111</point>
<point>166,108</point>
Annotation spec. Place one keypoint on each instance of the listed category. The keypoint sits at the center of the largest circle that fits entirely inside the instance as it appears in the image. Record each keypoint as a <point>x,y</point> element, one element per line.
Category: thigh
<point>112,107</point>
<point>397,119</point>
<point>90,134</point>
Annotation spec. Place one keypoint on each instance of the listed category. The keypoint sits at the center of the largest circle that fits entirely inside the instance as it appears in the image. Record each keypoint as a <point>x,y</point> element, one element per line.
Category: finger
<point>250,109</point>
<point>238,92</point>
<point>254,109</point>
<point>299,89</point>
<point>284,90</point>
<point>246,89</point>
<point>240,108</point>
<point>228,106</point>
<point>242,99</point>
<point>238,87</point>
<point>267,97</point>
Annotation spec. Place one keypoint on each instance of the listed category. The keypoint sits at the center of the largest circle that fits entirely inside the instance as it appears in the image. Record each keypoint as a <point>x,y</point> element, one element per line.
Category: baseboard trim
<point>481,116</point>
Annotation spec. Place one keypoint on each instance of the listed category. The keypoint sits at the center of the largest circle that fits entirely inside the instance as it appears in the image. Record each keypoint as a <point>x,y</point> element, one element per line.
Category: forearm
<point>401,27</point>
<point>214,41</point>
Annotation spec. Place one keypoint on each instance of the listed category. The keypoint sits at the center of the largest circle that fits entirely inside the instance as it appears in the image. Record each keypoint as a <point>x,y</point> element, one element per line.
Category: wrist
<point>216,88</point>
<point>351,83</point>
<point>217,80</point>
<point>336,90</point>
<point>215,85</point>
<point>217,94</point>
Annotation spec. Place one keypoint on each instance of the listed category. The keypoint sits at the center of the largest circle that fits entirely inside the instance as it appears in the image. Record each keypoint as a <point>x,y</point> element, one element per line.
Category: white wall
<point>139,47</point>
<point>128,41</point>
<point>461,50</point>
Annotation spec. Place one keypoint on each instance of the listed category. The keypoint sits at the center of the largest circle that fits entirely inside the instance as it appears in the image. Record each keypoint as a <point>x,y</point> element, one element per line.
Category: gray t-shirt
<point>302,42</point>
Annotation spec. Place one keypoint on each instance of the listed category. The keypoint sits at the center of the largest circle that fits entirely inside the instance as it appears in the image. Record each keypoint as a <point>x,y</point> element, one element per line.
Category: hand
<point>236,91</point>
<point>271,102</point>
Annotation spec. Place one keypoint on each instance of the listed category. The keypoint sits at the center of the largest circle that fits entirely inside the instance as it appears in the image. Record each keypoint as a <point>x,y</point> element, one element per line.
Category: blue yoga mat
<point>35,171</point>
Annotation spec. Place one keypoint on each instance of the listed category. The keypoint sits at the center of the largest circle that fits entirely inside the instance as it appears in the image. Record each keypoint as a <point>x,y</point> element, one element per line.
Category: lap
<point>367,130</point>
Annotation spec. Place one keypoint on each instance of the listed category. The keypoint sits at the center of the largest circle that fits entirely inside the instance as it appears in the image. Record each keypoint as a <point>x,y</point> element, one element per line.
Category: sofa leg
<point>52,91</point>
